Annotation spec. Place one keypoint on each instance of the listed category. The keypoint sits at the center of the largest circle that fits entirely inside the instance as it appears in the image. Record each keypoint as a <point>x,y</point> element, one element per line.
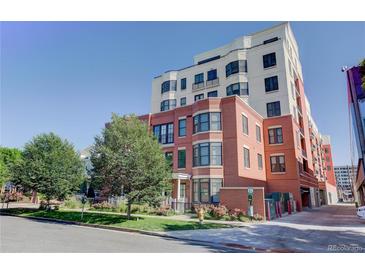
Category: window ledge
<point>272,91</point>
<point>209,131</point>
<point>278,173</point>
<point>271,67</point>
<point>167,145</point>
<point>207,167</point>
<point>181,136</point>
<point>278,144</point>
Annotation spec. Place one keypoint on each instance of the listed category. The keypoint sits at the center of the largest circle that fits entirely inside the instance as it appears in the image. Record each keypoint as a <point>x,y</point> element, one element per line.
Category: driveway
<point>326,229</point>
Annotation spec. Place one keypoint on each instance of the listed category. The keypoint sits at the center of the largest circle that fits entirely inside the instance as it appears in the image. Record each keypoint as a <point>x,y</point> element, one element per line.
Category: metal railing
<point>211,83</point>
<point>197,86</point>
<point>301,130</point>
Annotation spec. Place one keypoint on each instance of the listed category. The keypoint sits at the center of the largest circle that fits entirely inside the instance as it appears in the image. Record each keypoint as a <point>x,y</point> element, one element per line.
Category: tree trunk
<point>34,198</point>
<point>129,207</point>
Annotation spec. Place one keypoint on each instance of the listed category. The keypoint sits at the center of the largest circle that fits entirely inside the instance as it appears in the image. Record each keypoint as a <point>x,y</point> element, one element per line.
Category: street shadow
<point>278,239</point>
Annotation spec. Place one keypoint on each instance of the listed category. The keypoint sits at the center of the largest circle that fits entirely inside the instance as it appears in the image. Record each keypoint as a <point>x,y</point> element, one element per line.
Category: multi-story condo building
<point>345,177</point>
<point>238,121</point>
<point>356,104</point>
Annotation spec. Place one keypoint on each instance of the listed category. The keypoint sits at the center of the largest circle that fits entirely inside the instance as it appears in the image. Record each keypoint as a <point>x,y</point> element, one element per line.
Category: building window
<point>236,66</point>
<point>328,168</point>
<point>199,78</point>
<point>245,124</point>
<point>273,109</point>
<point>183,101</point>
<point>275,135</point>
<point>182,127</point>
<point>269,60</point>
<point>182,191</point>
<point>164,133</point>
<point>205,154</point>
<point>183,83</point>
<point>169,158</point>
<point>277,163</point>
<point>215,186</point>
<point>259,161</point>
<point>168,104</point>
<point>206,190</point>
<point>199,97</point>
<point>258,133</point>
<point>213,93</point>
<point>237,89</point>
<point>212,74</point>
<point>207,121</point>
<point>216,154</point>
<point>215,121</point>
<point>168,85</point>
<point>246,157</point>
<point>181,158</point>
<point>271,84</point>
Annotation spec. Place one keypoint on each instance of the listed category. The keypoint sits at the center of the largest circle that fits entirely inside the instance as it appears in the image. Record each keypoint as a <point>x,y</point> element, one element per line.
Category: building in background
<point>345,178</point>
<point>356,104</point>
<point>238,121</point>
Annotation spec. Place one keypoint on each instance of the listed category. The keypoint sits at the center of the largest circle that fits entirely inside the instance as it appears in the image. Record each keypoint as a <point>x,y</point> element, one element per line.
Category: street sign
<point>250,190</point>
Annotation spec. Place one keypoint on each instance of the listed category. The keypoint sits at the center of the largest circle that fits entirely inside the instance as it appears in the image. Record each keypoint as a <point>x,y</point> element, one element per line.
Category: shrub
<point>218,212</point>
<point>122,208</point>
<point>164,211</point>
<point>104,206</point>
<point>72,203</point>
<point>213,212</point>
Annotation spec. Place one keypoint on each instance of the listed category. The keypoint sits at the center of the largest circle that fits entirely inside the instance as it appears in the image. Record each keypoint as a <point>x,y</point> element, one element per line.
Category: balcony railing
<point>212,83</point>
<point>301,131</point>
<point>297,92</point>
<point>198,86</point>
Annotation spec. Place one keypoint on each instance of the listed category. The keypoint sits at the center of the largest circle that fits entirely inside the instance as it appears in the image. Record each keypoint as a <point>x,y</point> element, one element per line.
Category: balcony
<point>301,131</point>
<point>198,86</point>
<point>300,110</point>
<point>297,92</point>
<point>212,83</point>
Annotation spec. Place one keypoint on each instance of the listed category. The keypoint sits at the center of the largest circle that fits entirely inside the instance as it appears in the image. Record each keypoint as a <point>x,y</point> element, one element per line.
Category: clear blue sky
<point>69,77</point>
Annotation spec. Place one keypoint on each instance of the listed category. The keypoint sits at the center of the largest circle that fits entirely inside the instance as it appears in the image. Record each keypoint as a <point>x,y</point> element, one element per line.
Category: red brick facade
<point>297,178</point>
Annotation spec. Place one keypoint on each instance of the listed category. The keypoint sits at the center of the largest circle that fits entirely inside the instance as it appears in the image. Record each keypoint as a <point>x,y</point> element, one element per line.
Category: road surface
<point>326,229</point>
<point>25,235</point>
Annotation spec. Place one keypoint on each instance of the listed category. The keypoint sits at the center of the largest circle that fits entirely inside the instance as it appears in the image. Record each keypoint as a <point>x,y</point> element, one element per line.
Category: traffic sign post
<point>250,202</point>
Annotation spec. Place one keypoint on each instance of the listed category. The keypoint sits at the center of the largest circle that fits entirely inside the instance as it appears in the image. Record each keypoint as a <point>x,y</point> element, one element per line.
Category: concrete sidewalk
<point>325,229</point>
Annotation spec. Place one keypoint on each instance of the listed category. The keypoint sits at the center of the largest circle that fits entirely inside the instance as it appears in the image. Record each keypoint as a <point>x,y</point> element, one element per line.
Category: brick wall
<point>236,197</point>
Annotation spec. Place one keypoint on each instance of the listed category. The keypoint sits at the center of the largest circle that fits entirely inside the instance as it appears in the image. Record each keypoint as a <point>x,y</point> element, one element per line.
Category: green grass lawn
<point>147,224</point>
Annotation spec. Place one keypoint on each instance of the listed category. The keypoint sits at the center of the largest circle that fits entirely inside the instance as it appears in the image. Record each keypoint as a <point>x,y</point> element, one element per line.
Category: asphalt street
<point>25,235</point>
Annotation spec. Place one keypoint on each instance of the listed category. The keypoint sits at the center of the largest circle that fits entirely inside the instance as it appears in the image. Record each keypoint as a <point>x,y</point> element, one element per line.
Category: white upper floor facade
<point>261,68</point>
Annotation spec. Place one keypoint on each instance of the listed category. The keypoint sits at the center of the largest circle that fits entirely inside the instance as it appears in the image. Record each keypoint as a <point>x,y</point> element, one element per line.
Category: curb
<point>233,246</point>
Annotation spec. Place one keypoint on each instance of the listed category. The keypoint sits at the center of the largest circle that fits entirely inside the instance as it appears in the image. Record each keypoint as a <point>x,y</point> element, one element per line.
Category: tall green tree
<point>8,158</point>
<point>50,166</point>
<point>127,159</point>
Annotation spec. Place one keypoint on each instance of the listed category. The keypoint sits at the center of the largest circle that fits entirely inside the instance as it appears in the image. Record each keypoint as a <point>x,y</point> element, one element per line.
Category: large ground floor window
<point>206,190</point>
